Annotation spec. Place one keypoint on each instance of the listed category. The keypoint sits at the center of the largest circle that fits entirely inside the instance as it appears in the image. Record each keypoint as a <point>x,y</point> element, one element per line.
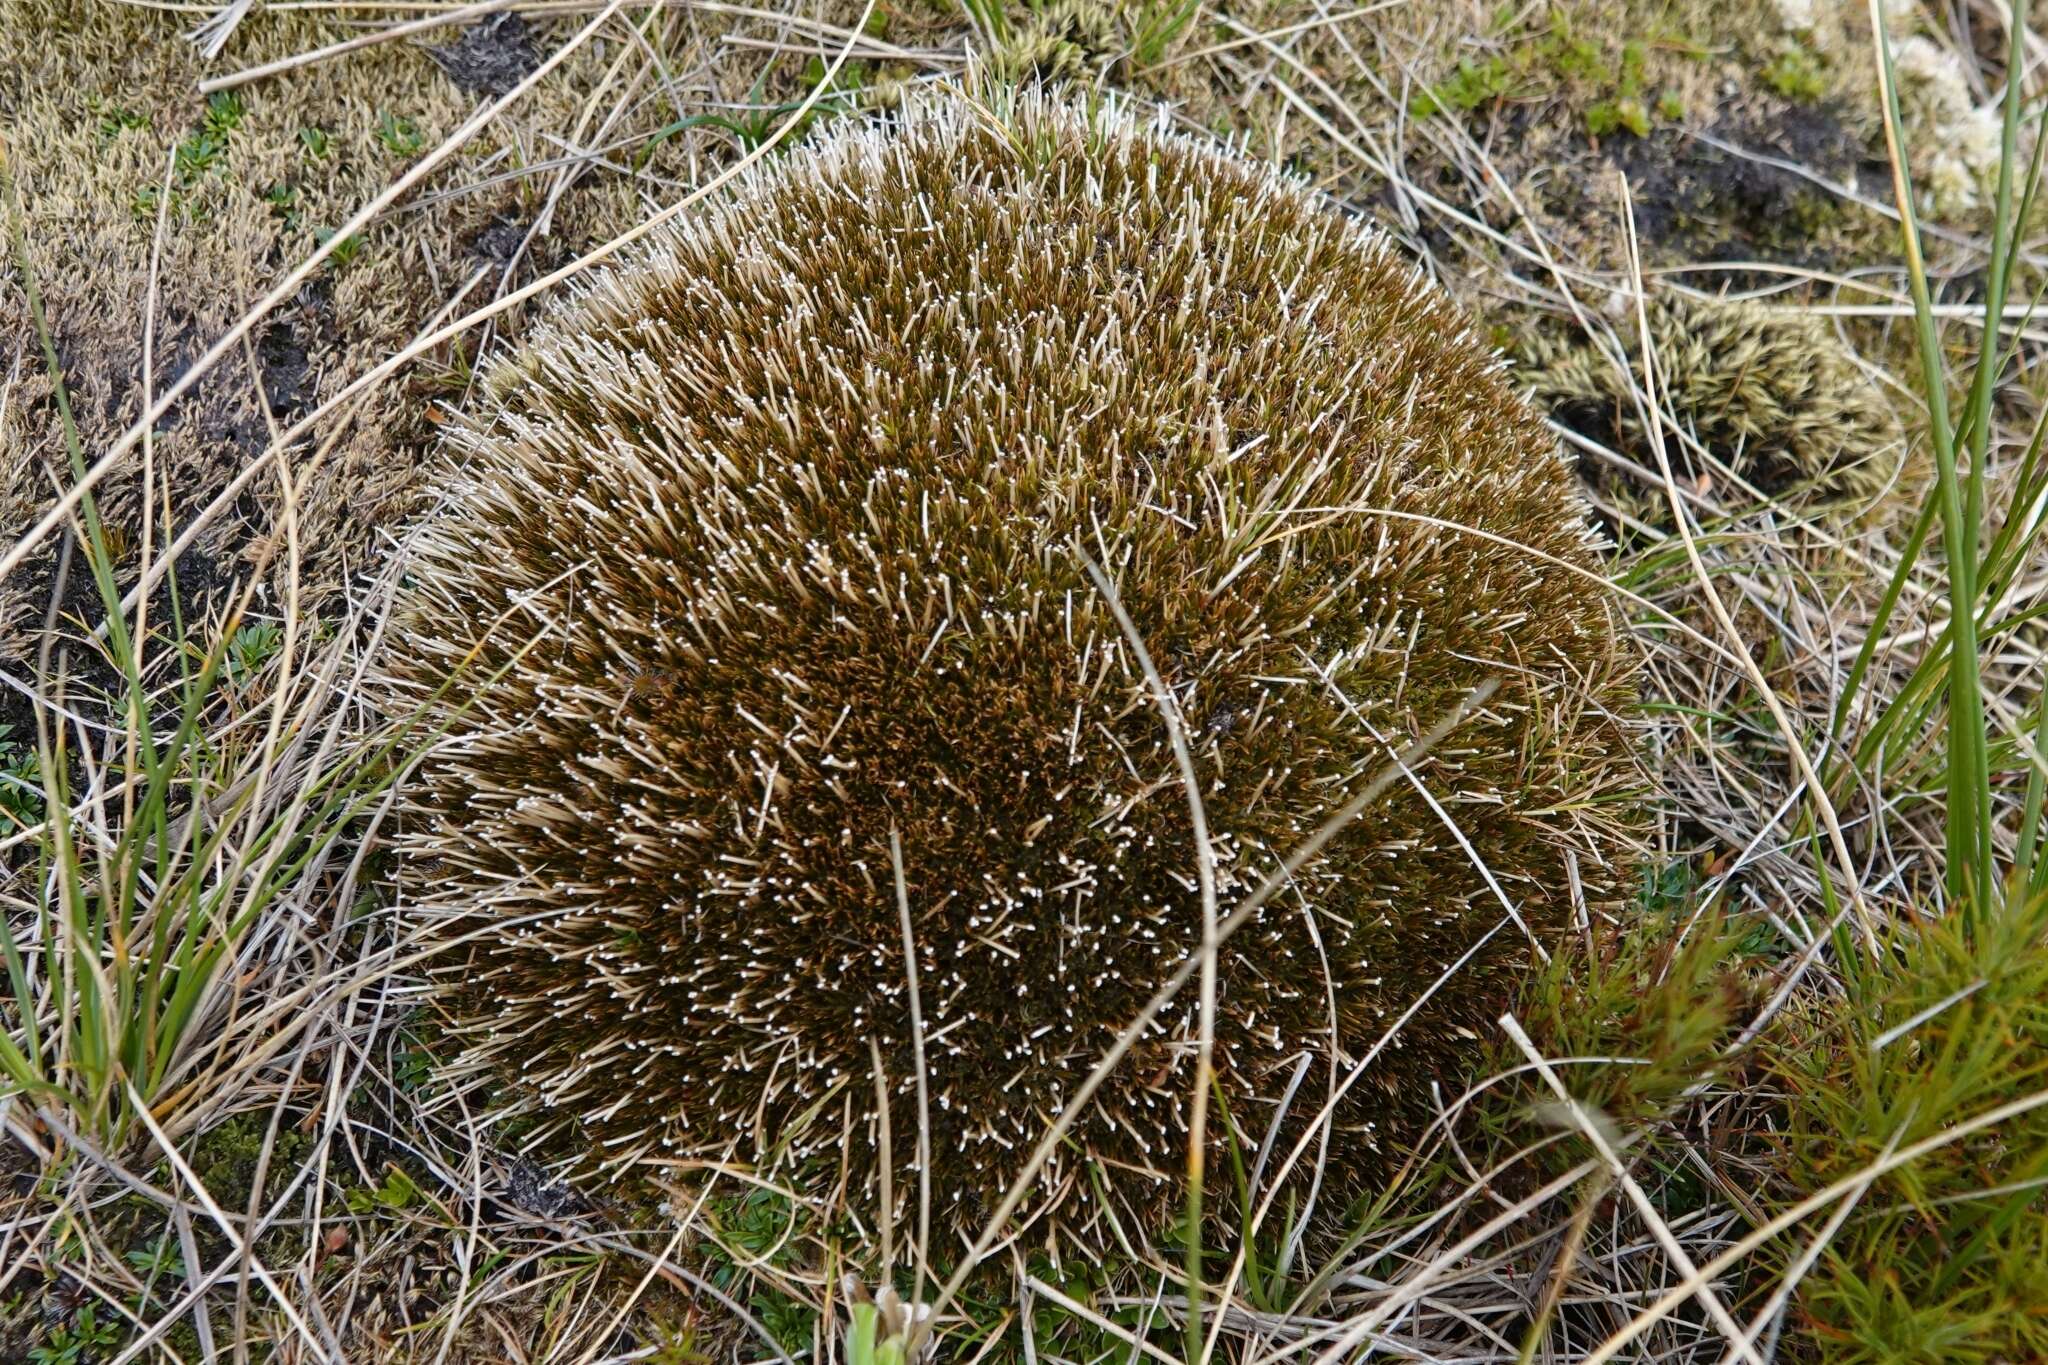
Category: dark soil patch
<point>215,407</point>
<point>492,55</point>
<point>499,241</point>
<point>286,370</point>
<point>90,682</point>
<point>528,1186</point>
<point>225,430</point>
<point>1696,197</point>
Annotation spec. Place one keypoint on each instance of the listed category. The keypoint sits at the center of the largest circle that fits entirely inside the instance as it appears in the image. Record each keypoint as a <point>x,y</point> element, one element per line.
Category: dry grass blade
<point>924,1104</point>
<point>1205,872</point>
<point>1795,747</point>
<point>1791,1217</point>
<point>246,1253</point>
<point>1591,1125</point>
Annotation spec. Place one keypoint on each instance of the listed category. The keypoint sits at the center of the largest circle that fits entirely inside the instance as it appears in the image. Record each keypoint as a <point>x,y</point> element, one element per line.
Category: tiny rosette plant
<point>778,541</point>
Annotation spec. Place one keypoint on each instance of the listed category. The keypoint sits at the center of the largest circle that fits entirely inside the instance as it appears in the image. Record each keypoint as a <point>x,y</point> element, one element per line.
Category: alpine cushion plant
<point>781,543</point>
<point>1759,399</point>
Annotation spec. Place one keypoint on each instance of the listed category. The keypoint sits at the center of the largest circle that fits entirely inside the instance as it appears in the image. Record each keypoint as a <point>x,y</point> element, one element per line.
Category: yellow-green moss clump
<point>775,542</point>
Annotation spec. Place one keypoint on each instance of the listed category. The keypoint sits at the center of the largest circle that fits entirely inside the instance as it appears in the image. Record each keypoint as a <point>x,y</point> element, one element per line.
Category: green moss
<point>1573,57</point>
<point>1797,73</point>
<point>1607,81</point>
<point>1945,1259</point>
<point>1471,85</point>
<point>1634,1014</point>
<point>1630,85</point>
<point>1664,993</point>
<point>1618,115</point>
<point>226,1156</point>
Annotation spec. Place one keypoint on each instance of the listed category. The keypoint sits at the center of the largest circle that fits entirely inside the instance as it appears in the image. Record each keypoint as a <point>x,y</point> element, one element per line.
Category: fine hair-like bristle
<point>776,540</point>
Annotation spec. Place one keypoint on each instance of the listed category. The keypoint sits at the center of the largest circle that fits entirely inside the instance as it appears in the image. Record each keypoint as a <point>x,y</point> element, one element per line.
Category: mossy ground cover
<point>144,199</point>
<point>1733,1033</point>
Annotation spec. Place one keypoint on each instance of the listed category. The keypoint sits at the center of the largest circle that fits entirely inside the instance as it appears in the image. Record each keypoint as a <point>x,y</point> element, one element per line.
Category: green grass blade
<point>1998,277</point>
<point>1969,785</point>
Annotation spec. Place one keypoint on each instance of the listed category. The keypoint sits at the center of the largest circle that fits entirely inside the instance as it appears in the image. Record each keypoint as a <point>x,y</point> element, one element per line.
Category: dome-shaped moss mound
<point>775,541</point>
<point>1773,398</point>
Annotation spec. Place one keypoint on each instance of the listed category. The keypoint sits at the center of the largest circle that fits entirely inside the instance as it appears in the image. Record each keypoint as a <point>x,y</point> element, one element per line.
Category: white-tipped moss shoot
<point>777,539</point>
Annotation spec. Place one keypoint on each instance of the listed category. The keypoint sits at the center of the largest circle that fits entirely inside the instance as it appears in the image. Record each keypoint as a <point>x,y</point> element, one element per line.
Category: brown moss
<point>775,543</point>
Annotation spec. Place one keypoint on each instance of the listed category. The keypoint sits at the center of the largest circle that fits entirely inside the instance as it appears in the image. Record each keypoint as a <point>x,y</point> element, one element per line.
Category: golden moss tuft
<point>1064,40</point>
<point>775,542</point>
<point>1772,397</point>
